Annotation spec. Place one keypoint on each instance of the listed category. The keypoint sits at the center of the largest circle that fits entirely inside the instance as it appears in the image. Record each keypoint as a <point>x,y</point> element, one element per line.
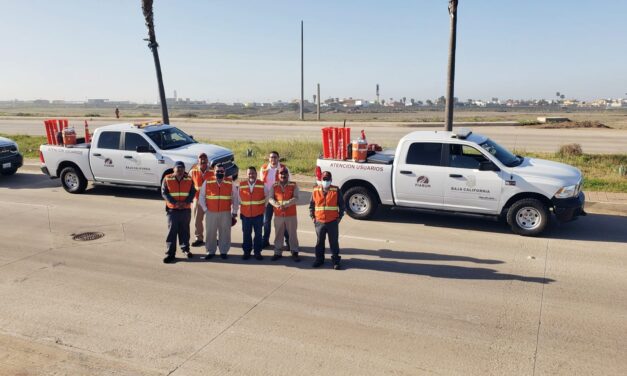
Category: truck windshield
<point>170,138</point>
<point>502,154</point>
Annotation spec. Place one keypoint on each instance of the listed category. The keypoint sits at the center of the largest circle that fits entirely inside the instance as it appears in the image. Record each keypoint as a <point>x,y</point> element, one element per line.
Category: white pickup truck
<point>128,155</point>
<point>461,172</point>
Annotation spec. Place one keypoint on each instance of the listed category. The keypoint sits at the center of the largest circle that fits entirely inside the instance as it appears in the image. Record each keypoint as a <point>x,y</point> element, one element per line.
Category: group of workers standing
<point>215,199</point>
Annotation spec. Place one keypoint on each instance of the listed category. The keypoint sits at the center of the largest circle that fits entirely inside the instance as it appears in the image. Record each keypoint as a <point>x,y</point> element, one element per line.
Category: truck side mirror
<point>488,166</point>
<point>144,149</point>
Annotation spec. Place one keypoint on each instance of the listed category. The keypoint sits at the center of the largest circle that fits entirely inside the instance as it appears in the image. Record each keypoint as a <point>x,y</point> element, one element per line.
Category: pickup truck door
<point>418,179</point>
<point>467,187</point>
<point>140,167</point>
<point>106,159</point>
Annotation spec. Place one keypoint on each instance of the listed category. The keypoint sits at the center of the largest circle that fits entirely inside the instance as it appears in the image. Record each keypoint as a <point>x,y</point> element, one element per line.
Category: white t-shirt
<point>271,177</point>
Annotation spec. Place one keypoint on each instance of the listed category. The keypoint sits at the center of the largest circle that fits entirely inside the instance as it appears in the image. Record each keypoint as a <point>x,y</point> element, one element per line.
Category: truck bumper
<point>567,209</point>
<point>44,169</point>
<point>11,162</point>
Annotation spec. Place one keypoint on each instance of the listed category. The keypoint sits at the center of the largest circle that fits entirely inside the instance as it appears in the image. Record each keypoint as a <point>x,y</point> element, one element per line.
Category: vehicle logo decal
<point>108,162</point>
<point>422,182</point>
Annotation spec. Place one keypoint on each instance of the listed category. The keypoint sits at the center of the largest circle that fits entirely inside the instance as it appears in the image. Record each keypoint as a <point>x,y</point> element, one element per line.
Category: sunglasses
<point>326,179</point>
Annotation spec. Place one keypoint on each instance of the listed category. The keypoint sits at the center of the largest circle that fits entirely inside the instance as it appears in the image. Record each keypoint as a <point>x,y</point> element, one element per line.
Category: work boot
<point>295,257</point>
<point>208,256</point>
<point>197,243</point>
<point>337,266</point>
<point>317,263</point>
<point>223,256</point>
<point>169,260</point>
<point>246,256</point>
<point>258,257</point>
<point>188,254</point>
<point>275,257</point>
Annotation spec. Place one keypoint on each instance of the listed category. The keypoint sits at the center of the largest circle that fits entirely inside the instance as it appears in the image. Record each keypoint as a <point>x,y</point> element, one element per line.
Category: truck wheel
<point>73,180</point>
<point>528,217</point>
<point>360,202</point>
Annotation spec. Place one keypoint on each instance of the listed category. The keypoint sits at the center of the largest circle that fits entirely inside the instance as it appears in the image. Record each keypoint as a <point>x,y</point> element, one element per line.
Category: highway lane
<point>602,141</point>
<point>421,294</point>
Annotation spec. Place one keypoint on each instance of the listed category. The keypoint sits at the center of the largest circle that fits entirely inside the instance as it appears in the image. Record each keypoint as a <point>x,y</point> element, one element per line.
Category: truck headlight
<point>14,148</point>
<point>566,192</point>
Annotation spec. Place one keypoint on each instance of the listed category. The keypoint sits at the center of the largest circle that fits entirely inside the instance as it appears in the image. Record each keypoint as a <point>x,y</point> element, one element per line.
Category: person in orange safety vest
<point>178,192</point>
<point>199,173</point>
<point>326,209</point>
<point>253,197</point>
<point>269,175</point>
<point>220,207</point>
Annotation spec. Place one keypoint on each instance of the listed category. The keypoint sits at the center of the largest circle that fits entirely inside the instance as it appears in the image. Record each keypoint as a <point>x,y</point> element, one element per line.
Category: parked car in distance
<point>10,157</point>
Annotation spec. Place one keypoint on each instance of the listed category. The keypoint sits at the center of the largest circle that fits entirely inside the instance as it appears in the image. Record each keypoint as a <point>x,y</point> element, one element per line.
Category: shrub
<point>570,150</point>
<point>92,115</point>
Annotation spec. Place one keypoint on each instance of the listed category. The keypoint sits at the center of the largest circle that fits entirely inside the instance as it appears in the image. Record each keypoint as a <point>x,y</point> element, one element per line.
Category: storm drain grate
<point>86,236</point>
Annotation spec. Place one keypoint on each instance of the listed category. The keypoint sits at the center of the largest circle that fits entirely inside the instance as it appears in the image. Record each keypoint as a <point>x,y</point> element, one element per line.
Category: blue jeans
<point>250,224</point>
<point>267,225</point>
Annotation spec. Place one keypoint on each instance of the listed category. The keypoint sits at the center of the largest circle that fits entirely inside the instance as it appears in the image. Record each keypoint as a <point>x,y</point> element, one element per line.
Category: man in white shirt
<point>269,175</point>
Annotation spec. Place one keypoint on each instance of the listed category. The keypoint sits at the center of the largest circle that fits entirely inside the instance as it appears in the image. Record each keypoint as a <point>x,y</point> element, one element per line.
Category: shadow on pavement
<point>593,227</point>
<point>126,192</point>
<point>402,255</point>
<point>432,270</point>
<point>28,181</point>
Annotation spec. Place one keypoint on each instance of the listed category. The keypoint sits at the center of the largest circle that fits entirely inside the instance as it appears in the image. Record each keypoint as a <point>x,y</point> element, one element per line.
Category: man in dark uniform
<point>178,192</point>
<point>326,209</point>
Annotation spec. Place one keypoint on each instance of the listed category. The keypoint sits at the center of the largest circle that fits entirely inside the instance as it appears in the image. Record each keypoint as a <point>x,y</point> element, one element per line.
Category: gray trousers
<point>178,227</point>
<point>331,230</point>
<point>199,218</point>
<point>281,226</point>
<point>218,223</point>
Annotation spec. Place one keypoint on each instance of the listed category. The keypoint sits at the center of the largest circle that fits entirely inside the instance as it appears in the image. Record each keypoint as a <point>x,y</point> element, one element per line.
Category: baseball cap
<point>179,164</point>
<point>326,174</point>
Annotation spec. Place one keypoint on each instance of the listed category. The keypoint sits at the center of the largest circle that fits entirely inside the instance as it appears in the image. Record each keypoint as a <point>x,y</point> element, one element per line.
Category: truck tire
<point>73,180</point>
<point>360,202</point>
<point>528,217</point>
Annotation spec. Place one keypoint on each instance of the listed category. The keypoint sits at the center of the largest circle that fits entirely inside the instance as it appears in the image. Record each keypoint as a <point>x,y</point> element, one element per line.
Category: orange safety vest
<point>264,172</point>
<point>252,204</point>
<point>282,194</point>
<point>199,177</point>
<point>218,197</point>
<point>326,207</point>
<point>179,190</point>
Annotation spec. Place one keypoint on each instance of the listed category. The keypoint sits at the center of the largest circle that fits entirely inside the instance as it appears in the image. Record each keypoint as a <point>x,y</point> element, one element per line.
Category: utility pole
<point>302,74</point>
<point>318,107</point>
<point>378,102</point>
<point>153,45</point>
<point>450,86</point>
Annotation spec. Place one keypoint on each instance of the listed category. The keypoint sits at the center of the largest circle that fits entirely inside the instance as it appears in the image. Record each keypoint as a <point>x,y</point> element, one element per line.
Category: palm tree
<point>153,45</point>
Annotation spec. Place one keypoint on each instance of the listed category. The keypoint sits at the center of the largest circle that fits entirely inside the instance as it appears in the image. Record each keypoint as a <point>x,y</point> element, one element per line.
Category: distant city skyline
<point>249,51</point>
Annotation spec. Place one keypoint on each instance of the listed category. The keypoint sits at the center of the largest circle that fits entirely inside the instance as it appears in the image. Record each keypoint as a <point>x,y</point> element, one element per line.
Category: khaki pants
<point>218,223</point>
<point>199,217</point>
<point>281,224</point>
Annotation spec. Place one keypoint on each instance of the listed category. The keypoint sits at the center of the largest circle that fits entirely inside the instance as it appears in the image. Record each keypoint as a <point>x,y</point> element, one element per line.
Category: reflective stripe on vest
<point>283,194</point>
<point>218,197</point>
<point>326,206</point>
<point>179,190</point>
<point>252,204</point>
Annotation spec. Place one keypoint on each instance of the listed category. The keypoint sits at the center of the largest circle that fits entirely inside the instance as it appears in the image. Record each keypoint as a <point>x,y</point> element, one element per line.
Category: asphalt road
<point>420,294</point>
<point>603,141</point>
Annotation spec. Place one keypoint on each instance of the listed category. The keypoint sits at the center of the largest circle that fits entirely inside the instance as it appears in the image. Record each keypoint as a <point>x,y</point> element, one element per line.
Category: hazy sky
<point>250,50</point>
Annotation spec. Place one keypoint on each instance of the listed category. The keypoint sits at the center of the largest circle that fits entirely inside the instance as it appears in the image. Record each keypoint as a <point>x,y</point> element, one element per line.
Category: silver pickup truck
<point>461,172</point>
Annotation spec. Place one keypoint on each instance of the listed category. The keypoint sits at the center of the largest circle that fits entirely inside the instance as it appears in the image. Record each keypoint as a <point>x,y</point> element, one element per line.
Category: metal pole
<point>302,74</point>
<point>450,86</point>
<point>318,107</point>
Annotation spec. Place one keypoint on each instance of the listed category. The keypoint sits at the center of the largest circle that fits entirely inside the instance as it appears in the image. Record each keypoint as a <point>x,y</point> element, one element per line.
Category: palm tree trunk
<point>450,86</point>
<point>153,45</point>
